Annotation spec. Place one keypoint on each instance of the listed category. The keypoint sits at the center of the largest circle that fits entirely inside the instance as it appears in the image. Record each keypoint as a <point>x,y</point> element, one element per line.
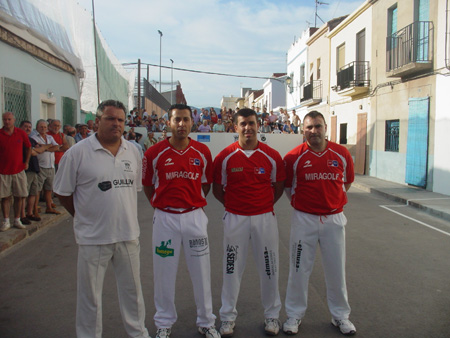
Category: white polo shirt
<point>47,158</point>
<point>104,189</point>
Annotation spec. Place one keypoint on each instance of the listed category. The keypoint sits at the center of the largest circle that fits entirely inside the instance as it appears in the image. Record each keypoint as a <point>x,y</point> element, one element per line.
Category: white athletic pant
<point>262,232</point>
<point>170,233</point>
<point>93,261</point>
<point>307,231</point>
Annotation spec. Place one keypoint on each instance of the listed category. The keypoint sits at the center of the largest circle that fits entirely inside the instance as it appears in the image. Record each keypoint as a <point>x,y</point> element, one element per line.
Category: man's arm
<point>278,190</point>
<point>347,186</point>
<point>65,144</point>
<point>67,203</point>
<point>218,192</point>
<point>206,187</point>
<point>40,148</point>
<point>149,191</point>
<point>27,157</point>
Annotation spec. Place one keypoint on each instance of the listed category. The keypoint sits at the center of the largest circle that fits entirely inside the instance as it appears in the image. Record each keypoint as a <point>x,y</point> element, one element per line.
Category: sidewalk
<point>13,236</point>
<point>433,203</point>
<point>436,204</point>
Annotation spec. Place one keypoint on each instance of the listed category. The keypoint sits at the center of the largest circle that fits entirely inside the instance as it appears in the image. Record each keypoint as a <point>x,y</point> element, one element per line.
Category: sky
<point>238,37</point>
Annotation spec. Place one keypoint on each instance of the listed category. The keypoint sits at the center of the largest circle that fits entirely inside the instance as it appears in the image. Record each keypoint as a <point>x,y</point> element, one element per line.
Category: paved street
<point>398,274</point>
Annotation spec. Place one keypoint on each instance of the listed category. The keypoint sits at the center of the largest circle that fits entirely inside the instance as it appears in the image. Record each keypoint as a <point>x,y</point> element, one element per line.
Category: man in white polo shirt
<point>97,182</point>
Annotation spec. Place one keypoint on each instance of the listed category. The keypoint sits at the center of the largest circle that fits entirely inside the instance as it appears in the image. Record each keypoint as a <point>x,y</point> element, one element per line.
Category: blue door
<point>417,143</point>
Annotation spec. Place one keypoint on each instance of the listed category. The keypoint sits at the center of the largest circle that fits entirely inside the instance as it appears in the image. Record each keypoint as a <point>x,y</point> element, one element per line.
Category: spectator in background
<point>154,116</point>
<point>230,127</point>
<point>272,119</point>
<point>162,124</point>
<point>132,139</point>
<point>70,133</point>
<point>150,141</point>
<point>204,127</point>
<point>29,211</point>
<point>46,165</point>
<point>60,138</point>
<point>195,117</point>
<point>219,127</point>
<point>265,128</point>
<point>214,117</point>
<point>295,122</point>
<point>276,130</point>
<point>83,132</point>
<point>287,129</point>
<point>163,136</point>
<point>90,125</point>
<point>15,152</point>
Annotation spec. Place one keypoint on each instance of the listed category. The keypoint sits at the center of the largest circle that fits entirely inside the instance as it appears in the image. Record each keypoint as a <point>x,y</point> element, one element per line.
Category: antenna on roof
<point>317,15</point>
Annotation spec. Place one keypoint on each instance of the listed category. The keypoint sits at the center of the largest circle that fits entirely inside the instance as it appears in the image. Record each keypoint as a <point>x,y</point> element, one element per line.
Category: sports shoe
<point>291,325</point>
<point>209,332</point>
<point>272,326</point>
<point>34,217</point>
<point>25,220</point>
<point>345,325</point>
<point>18,224</point>
<point>5,225</point>
<point>227,328</point>
<point>163,333</point>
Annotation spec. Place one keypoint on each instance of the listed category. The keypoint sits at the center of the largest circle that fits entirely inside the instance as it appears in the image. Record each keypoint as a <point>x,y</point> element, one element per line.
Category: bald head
<point>8,120</point>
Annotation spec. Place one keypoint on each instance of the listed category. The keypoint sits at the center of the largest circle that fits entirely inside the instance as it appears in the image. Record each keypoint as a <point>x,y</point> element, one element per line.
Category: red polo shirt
<point>11,151</point>
<point>59,138</point>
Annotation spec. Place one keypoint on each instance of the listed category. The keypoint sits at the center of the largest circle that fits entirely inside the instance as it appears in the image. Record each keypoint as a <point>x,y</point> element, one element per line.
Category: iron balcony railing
<point>414,43</point>
<point>354,74</point>
<point>311,91</point>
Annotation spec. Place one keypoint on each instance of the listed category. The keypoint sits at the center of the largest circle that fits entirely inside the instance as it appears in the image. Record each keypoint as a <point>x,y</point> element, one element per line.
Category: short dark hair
<point>179,106</point>
<point>110,103</point>
<point>314,114</point>
<point>245,112</point>
<point>23,122</point>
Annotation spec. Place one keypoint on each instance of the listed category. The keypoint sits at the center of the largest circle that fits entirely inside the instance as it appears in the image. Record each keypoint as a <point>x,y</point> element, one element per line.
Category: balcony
<point>353,79</point>
<point>311,93</point>
<point>409,51</point>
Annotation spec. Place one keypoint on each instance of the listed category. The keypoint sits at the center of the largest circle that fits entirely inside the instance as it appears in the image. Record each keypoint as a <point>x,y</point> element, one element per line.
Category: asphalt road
<point>398,276</point>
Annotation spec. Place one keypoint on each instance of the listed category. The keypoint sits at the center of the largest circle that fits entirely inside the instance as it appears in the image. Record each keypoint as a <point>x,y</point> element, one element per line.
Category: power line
<point>199,71</point>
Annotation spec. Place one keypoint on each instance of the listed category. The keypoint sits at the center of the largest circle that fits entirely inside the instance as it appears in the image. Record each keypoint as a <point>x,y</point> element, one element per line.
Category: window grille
<point>392,135</point>
<point>17,99</point>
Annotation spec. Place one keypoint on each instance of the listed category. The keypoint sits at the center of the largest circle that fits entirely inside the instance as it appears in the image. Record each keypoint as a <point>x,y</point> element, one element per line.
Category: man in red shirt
<point>15,152</point>
<point>177,175</point>
<point>53,130</point>
<point>318,175</point>
<point>248,180</point>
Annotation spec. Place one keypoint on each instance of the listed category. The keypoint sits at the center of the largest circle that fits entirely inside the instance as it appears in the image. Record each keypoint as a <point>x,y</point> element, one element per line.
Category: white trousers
<point>170,233</point>
<point>307,231</point>
<point>262,232</point>
<point>93,261</point>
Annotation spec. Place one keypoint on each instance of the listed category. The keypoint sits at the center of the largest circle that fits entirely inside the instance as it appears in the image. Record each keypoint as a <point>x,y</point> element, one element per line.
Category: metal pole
<point>95,47</point>
<point>139,86</point>
<point>171,84</point>
<point>160,49</point>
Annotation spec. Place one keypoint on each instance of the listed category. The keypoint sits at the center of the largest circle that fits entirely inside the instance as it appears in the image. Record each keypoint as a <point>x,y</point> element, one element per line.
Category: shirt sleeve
<point>147,168</point>
<point>217,169</point>
<point>65,178</point>
<point>209,166</point>
<point>289,170</point>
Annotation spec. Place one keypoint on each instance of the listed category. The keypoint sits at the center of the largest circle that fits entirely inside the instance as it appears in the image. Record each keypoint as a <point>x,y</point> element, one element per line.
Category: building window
<point>340,57</point>
<point>392,135</point>
<point>343,133</point>
<point>69,109</point>
<point>318,69</point>
<point>302,74</point>
<point>17,99</point>
<point>311,71</point>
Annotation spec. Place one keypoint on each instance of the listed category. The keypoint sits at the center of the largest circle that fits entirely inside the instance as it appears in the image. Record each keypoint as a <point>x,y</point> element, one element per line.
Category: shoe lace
<point>163,332</point>
<point>292,321</point>
<point>272,322</point>
<point>227,324</point>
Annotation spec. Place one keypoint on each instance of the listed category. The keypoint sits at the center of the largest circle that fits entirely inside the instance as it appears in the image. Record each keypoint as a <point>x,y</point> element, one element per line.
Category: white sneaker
<point>5,225</point>
<point>345,325</point>
<point>227,328</point>
<point>272,326</point>
<point>18,224</point>
<point>291,325</point>
<point>163,333</point>
<point>209,332</point>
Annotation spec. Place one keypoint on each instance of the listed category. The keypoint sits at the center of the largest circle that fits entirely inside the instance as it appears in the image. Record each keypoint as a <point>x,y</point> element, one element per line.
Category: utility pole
<point>171,85</point>
<point>139,86</point>
<point>160,48</point>
<point>96,60</point>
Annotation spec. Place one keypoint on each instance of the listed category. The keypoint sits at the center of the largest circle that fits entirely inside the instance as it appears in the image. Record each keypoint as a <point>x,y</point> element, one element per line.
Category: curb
<point>13,236</point>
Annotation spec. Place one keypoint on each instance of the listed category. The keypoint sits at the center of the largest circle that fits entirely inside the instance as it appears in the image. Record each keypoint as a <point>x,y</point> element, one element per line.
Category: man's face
<point>90,124</point>
<point>180,123</point>
<point>55,126</point>
<point>247,128</point>
<point>219,121</point>
<point>26,127</point>
<point>8,120</point>
<point>111,124</point>
<point>315,130</point>
<point>42,128</point>
<point>83,130</point>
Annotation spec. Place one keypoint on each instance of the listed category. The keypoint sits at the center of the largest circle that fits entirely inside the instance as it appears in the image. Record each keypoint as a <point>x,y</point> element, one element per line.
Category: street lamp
<point>160,45</point>
<point>171,84</point>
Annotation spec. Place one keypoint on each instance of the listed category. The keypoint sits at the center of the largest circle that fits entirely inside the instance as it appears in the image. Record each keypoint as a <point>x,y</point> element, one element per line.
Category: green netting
<point>112,84</point>
<point>89,116</point>
<point>69,108</point>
